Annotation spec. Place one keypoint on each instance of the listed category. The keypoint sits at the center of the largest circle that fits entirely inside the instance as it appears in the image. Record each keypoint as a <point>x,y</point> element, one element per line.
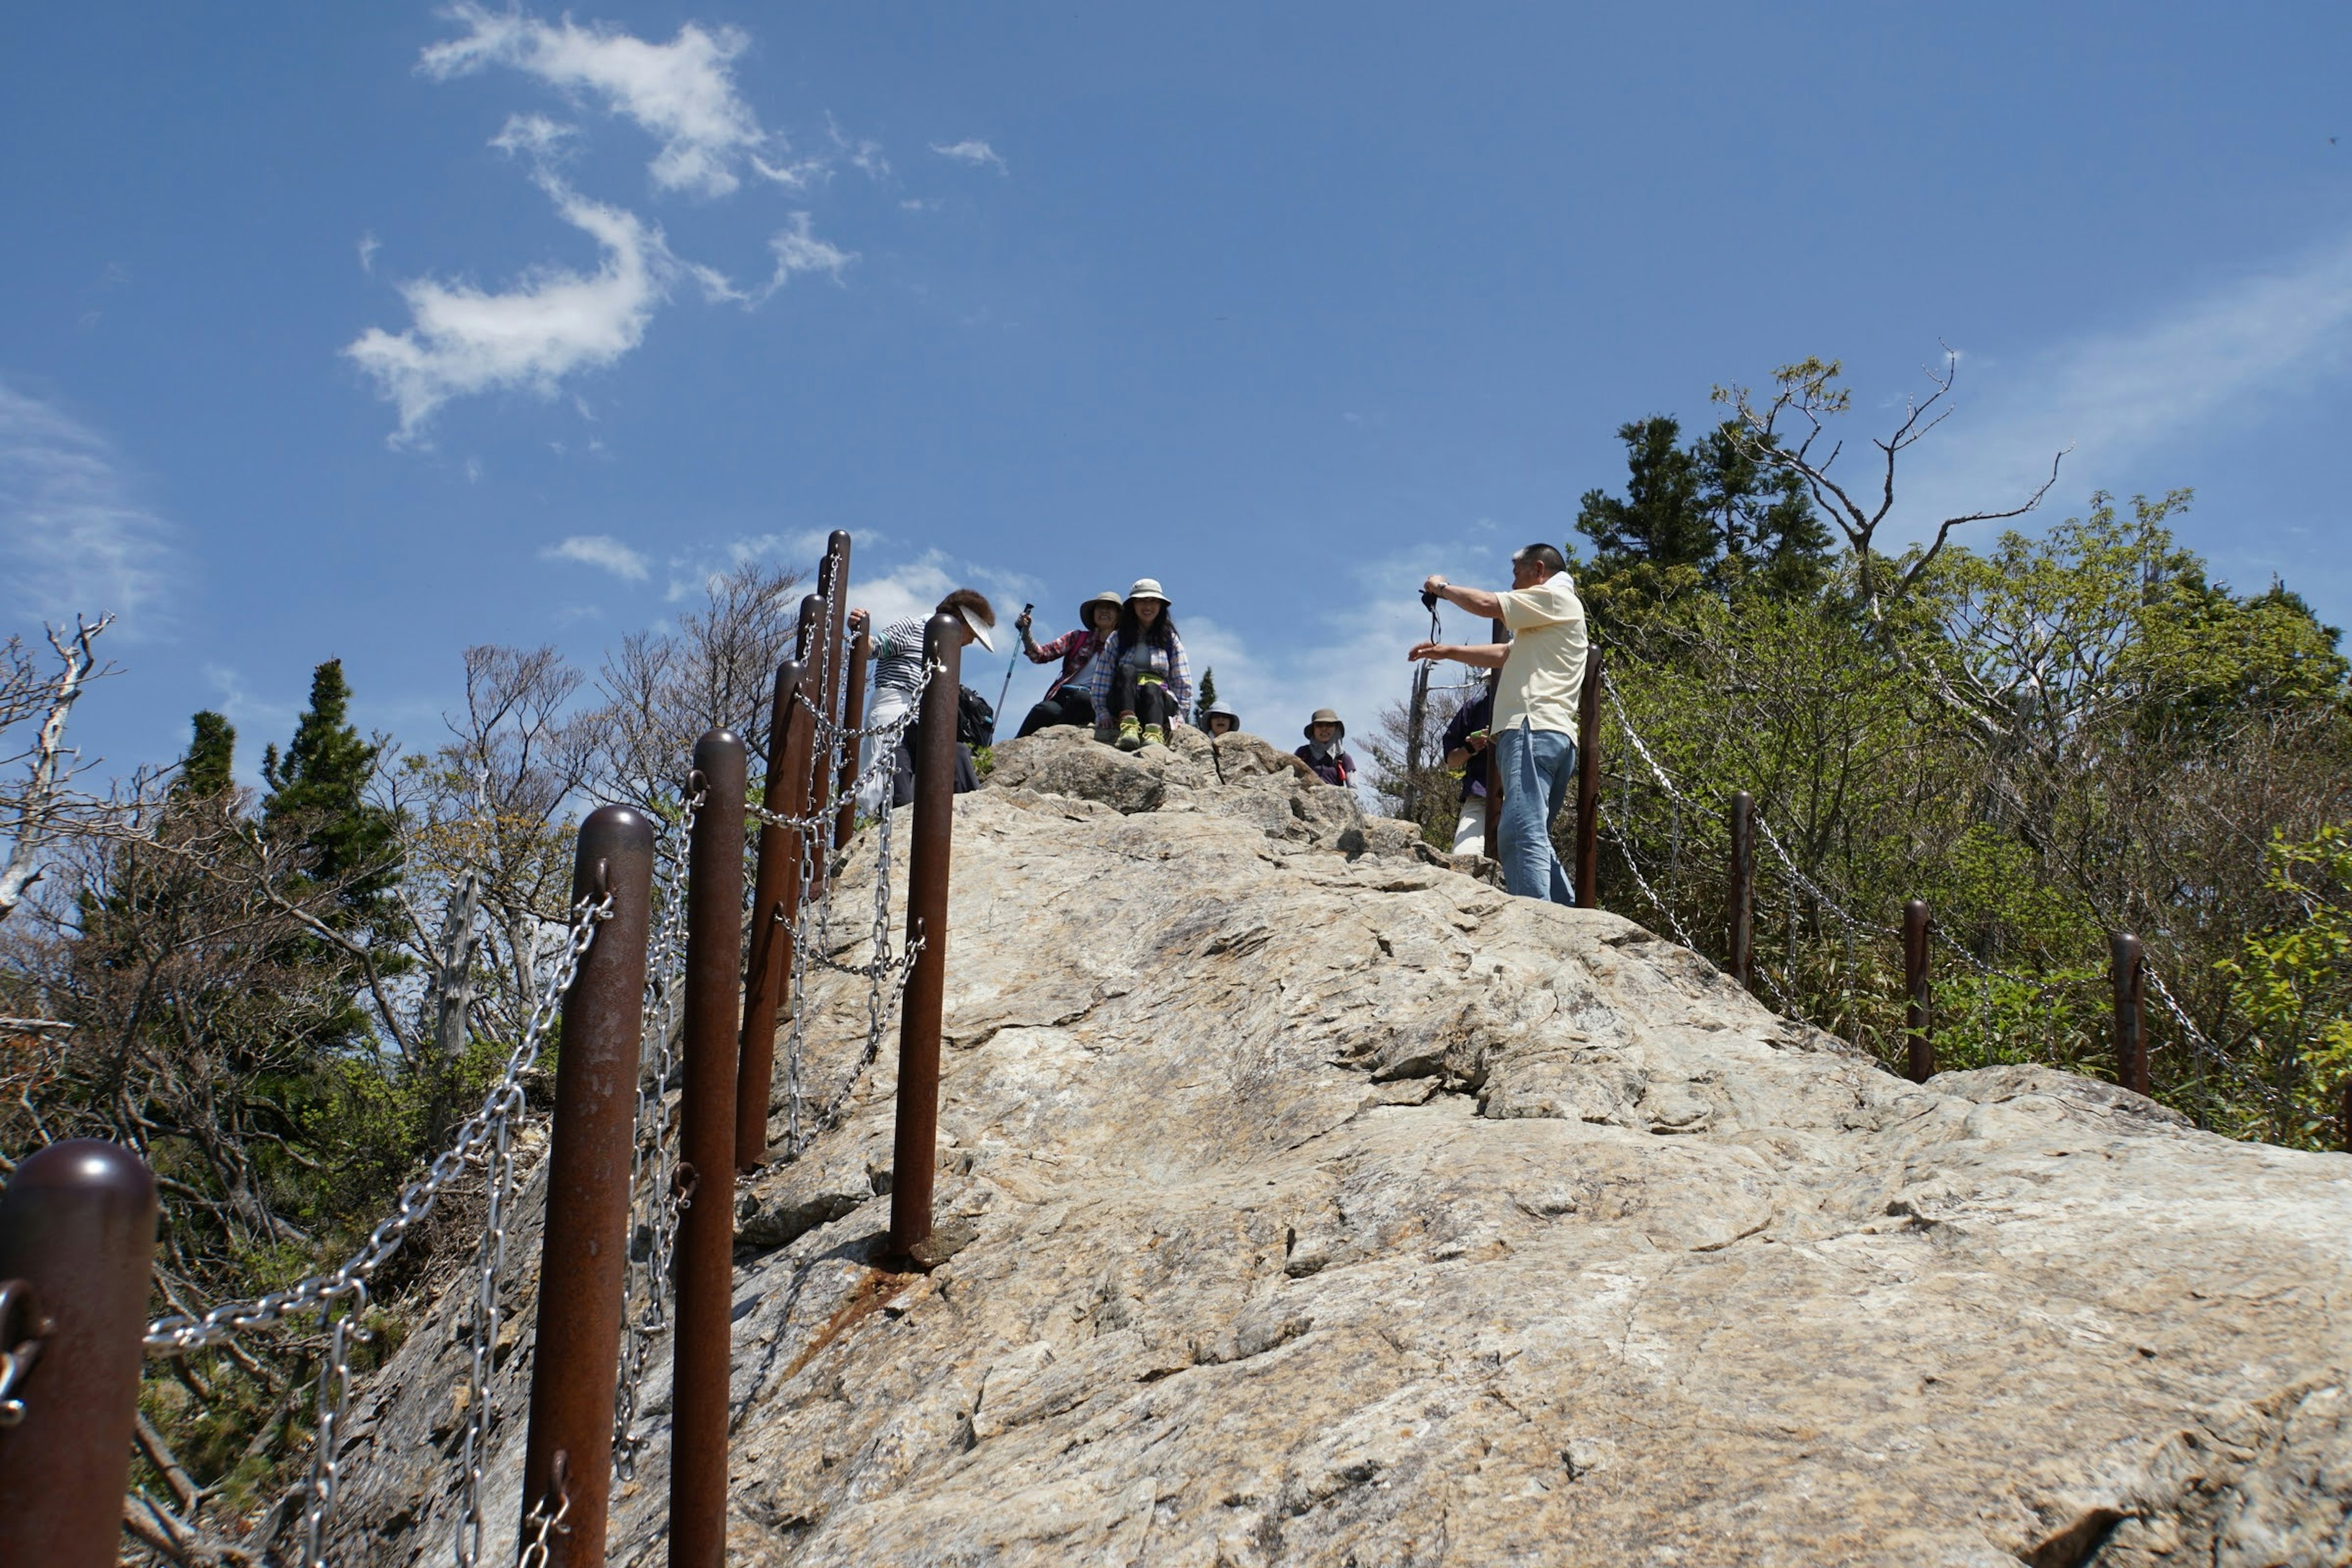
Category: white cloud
<point>603,551</point>
<point>534,135</point>
<point>865,155</point>
<point>464,340</point>
<point>682,92</point>
<point>76,537</point>
<point>798,251</point>
<point>368,246</point>
<point>971,151</point>
<point>2120,398</point>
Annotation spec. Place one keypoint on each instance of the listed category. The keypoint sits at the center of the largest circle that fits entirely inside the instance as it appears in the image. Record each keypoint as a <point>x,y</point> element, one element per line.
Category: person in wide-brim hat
<point>1067,701</point>
<point>1216,710</point>
<point>1142,677</point>
<point>1322,754</point>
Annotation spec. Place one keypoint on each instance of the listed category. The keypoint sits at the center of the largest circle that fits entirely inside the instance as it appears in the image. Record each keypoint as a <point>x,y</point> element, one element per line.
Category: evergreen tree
<point>1707,508</point>
<point>206,771</point>
<point>1208,694</point>
<point>317,797</point>
<point>1662,519</point>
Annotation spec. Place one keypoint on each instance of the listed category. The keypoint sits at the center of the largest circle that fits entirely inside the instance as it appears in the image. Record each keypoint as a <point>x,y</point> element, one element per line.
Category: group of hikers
<point>1124,675</point>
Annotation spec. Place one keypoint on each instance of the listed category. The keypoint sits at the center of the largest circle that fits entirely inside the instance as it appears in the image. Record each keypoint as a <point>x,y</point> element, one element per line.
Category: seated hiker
<point>1464,746</point>
<point>1322,754</point>
<point>898,679</point>
<point>1221,720</point>
<point>1141,676</point>
<point>1065,701</point>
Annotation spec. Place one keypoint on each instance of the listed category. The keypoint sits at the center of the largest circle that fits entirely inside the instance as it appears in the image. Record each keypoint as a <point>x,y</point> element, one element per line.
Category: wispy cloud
<point>865,155</point>
<point>368,246</point>
<point>2121,397</point>
<point>971,151</point>
<point>76,535</point>
<point>535,136</point>
<point>682,93</point>
<point>464,340</point>
<point>603,551</point>
<point>798,251</point>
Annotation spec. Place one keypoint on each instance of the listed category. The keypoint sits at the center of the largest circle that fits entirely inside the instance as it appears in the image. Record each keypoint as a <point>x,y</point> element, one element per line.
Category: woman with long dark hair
<point>1142,677</point>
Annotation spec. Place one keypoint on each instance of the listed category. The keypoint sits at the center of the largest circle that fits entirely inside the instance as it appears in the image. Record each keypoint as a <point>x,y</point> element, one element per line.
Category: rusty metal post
<point>775,894</point>
<point>915,1149</point>
<point>567,1467</point>
<point>1919,1012</point>
<point>701,1353</point>
<point>76,1243</point>
<point>853,716</point>
<point>1492,847</point>
<point>1587,785</point>
<point>825,662</point>
<point>1743,885</point>
<point>2128,969</point>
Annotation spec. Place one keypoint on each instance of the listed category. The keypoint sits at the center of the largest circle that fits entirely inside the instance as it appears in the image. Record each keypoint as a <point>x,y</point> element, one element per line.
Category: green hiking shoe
<point>1131,736</point>
<point>1154,736</point>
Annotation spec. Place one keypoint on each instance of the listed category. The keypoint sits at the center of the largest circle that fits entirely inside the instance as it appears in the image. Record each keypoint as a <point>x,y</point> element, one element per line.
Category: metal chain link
<point>653,1202</point>
<point>177,1333</point>
<point>490,1255</point>
<point>537,1554</point>
<point>2205,1046</point>
<point>486,1138</point>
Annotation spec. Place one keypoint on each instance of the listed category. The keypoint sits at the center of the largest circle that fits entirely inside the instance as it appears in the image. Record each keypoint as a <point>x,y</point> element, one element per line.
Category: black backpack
<point>975,720</point>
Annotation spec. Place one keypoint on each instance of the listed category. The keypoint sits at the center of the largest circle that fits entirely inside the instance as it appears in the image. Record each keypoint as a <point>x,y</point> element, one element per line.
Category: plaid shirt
<point>1073,648</point>
<point>1167,660</point>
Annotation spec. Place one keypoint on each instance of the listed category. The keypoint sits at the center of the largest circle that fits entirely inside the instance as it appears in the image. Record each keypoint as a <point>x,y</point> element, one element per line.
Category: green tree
<point>317,798</point>
<point>206,771</point>
<point>1208,694</point>
<point>2291,986</point>
<point>1709,513</point>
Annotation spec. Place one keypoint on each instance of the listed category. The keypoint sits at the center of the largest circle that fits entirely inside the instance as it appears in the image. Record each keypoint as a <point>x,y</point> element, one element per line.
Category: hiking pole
<point>1012,662</point>
<point>1417,715</point>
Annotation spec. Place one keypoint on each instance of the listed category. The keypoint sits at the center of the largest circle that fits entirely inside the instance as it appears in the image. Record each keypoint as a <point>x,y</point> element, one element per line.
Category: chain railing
<point>1781,981</point>
<point>654,1199</point>
<point>621,1250</point>
<point>808,933</point>
<point>484,1143</point>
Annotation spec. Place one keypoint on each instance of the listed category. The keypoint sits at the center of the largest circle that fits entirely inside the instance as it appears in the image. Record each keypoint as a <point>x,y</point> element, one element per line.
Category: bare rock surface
<point>1324,1205</point>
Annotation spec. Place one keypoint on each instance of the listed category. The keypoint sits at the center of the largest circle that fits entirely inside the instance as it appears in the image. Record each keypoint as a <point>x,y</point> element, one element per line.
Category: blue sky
<point>379,330</point>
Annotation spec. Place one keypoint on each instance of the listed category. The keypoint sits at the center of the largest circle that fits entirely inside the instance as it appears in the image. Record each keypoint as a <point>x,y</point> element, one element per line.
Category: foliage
<point>2290,984</point>
<point>1706,515</point>
<point>2052,740</point>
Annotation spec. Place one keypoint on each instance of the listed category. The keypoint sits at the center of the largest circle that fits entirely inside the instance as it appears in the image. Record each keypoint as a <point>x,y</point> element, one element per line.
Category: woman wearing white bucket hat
<point>899,678</point>
<point>1142,676</point>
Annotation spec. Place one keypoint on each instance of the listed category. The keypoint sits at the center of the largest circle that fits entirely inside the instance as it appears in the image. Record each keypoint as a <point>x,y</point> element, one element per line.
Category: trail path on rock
<point>1322,1205</point>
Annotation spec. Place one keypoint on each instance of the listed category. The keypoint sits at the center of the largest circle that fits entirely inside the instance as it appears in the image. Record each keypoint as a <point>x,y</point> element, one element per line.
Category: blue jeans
<point>1538,768</point>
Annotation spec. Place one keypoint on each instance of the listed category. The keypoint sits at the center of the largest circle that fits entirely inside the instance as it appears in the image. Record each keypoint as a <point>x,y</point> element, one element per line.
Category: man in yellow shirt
<point>1534,726</point>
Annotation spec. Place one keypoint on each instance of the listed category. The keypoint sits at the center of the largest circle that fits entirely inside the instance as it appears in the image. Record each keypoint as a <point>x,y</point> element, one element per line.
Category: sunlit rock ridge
<point>1322,1204</point>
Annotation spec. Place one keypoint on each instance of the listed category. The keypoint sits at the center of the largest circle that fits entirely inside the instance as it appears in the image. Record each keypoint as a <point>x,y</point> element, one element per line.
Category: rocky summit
<point>1315,1203</point>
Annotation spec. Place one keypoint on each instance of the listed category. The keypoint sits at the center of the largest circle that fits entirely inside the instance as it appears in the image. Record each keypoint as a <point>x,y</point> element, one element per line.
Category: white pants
<point>873,771</point>
<point>1470,828</point>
